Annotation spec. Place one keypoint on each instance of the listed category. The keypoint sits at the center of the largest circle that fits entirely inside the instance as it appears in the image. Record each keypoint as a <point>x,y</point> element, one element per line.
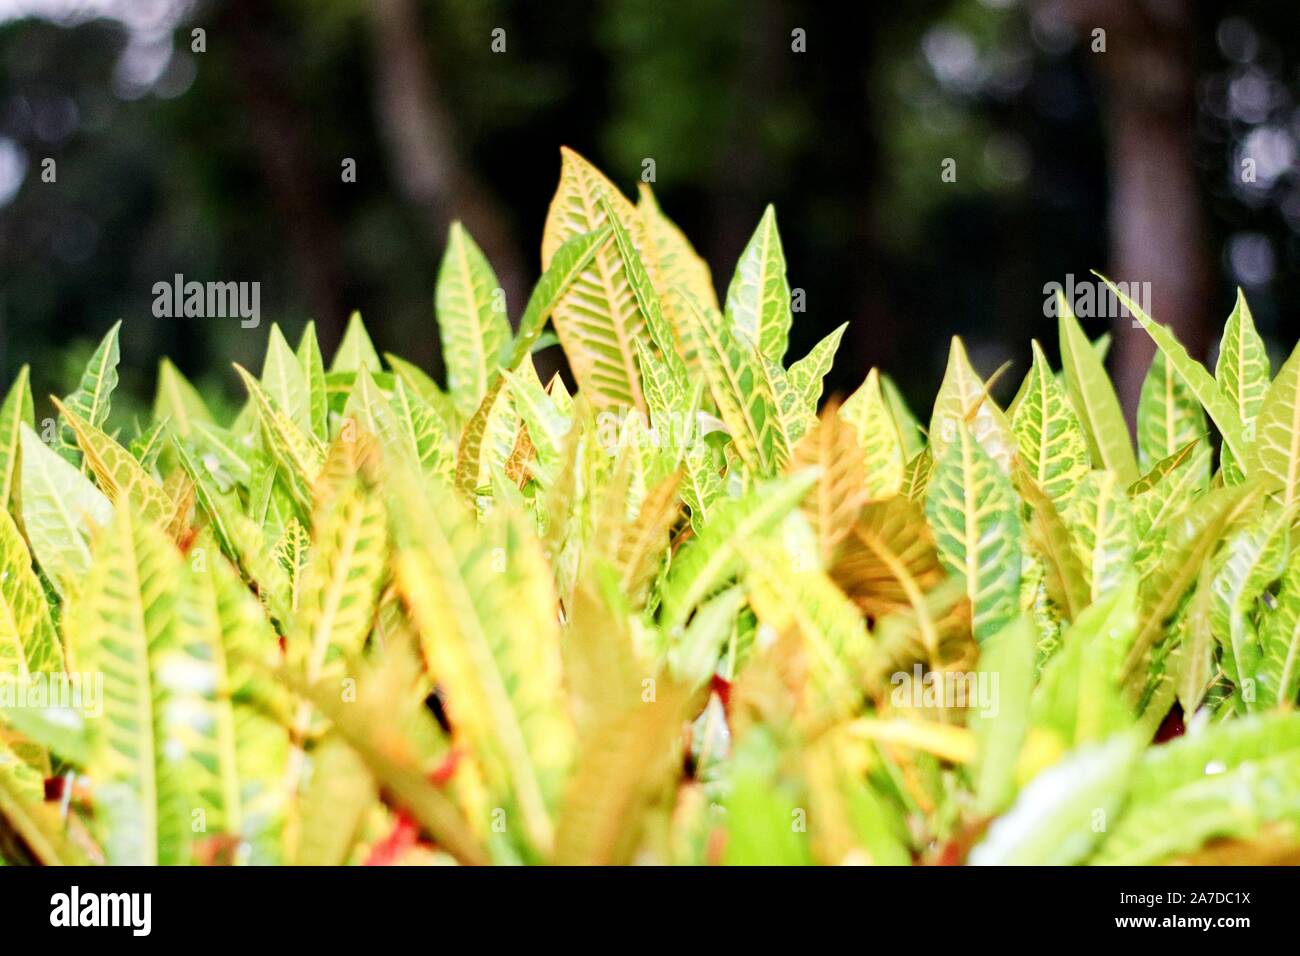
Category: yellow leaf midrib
<point>605,270</point>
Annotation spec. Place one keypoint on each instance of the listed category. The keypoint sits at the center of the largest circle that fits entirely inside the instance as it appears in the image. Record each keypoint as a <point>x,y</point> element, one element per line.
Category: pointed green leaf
<point>742,390</point>
<point>647,299</point>
<point>299,453</point>
<point>758,299</point>
<point>1169,416</point>
<point>597,316</point>
<point>1276,450</point>
<point>471,319</point>
<point>1242,372</point>
<point>1094,400</point>
<point>1253,558</point>
<point>16,412</point>
<point>867,411</point>
<point>356,349</point>
<point>121,477</point>
<point>1218,406</point>
<point>434,451</point>
<point>1279,632</point>
<point>1051,441</point>
<point>123,625</point>
<point>284,381</point>
<point>963,401</point>
<point>1101,519</point>
<point>340,586</point>
<point>178,401</point>
<point>60,508</point>
<point>1052,822</point>
<point>92,397</point>
<point>806,375</point>
<point>28,642</point>
<point>313,371</point>
<point>909,428</point>
<point>705,563</point>
<point>974,512</point>
<point>1189,543</point>
<point>239,536</point>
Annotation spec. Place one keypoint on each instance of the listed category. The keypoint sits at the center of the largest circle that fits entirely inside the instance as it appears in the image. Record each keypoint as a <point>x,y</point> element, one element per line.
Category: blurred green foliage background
<point>225,164</point>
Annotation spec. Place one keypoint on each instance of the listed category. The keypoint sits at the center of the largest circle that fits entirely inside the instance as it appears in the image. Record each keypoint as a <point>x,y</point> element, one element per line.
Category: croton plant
<point>676,614</point>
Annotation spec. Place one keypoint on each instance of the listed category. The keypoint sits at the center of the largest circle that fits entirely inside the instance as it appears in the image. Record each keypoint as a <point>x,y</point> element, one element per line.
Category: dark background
<point>225,164</point>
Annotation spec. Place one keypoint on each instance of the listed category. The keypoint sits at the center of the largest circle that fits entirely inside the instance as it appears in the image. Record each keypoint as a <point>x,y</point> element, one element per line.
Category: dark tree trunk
<point>426,160</point>
<point>282,148</point>
<point>1157,231</point>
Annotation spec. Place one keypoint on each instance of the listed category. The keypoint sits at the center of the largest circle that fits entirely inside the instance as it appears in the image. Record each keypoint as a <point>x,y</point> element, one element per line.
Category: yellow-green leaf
<point>597,316</point>
<point>758,299</point>
<point>1276,451</point>
<point>1218,406</point>
<point>471,319</point>
<point>1242,372</point>
<point>963,402</point>
<point>16,412</point>
<point>61,507</point>
<point>974,512</point>
<point>1094,400</point>
<point>1051,441</point>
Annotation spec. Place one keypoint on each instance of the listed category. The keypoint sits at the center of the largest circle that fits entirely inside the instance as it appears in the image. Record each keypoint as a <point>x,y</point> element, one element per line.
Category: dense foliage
<point>676,616</point>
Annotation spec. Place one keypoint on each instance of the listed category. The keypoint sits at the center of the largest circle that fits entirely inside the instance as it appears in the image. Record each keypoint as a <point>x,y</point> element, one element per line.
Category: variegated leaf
<point>1243,373</point>
<point>963,402</point>
<point>1253,558</point>
<point>122,626</point>
<point>806,375</point>
<point>974,512</point>
<point>741,390</point>
<point>356,350</point>
<point>471,319</point>
<point>1219,407</point>
<point>93,395</point>
<point>299,453</point>
<point>486,611</point>
<point>28,641</point>
<point>889,562</point>
<point>1051,441</point>
<point>705,563</point>
<point>1276,450</point>
<point>1279,632</point>
<point>597,316</point>
<point>120,476</point>
<point>61,507</point>
<point>877,435</point>
<point>285,382</point>
<point>312,364</point>
<point>16,412</point>
<point>841,490</point>
<point>758,299</point>
<point>178,401</point>
<point>1100,516</point>
<point>1168,417</point>
<point>1094,399</point>
<point>1189,543</point>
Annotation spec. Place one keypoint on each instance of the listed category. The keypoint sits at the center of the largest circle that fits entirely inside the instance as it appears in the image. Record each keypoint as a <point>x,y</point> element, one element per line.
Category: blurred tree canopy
<point>225,164</point>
